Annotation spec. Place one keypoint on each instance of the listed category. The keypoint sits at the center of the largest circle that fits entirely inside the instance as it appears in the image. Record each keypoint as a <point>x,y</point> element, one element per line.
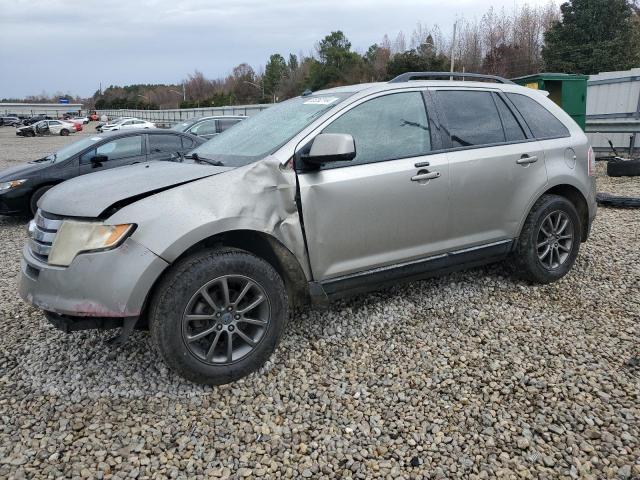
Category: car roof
<point>209,117</point>
<point>383,86</point>
<point>157,131</point>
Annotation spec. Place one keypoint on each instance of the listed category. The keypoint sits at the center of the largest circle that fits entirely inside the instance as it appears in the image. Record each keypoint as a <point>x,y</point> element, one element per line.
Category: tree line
<point>582,36</point>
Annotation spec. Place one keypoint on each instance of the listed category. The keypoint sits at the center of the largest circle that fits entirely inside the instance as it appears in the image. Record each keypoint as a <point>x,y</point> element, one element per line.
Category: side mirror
<point>331,147</point>
<point>97,160</point>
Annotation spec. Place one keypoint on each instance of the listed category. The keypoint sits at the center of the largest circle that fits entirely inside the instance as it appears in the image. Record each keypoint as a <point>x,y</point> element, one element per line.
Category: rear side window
<point>225,124</point>
<point>386,128</point>
<point>165,143</point>
<point>472,117</point>
<point>512,129</point>
<point>542,122</point>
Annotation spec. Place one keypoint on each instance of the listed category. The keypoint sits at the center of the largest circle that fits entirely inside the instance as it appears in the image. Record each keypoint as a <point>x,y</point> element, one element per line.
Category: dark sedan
<point>22,186</point>
<point>36,119</point>
<point>10,121</point>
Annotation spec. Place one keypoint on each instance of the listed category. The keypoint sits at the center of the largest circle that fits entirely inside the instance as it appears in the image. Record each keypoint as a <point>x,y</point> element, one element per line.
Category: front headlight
<point>11,184</point>
<point>76,237</point>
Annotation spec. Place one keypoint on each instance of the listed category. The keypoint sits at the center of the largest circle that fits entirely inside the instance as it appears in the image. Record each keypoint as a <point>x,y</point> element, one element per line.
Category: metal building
<point>613,111</point>
<point>54,110</point>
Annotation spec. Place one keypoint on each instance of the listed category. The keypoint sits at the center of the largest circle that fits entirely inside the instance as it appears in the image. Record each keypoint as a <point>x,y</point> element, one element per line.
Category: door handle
<point>526,159</point>
<point>425,176</point>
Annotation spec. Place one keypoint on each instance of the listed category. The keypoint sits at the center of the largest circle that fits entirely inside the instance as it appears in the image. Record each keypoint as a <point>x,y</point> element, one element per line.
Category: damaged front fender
<point>260,197</point>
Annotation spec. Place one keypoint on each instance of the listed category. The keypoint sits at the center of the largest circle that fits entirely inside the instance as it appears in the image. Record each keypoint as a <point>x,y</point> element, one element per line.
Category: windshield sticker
<point>321,101</point>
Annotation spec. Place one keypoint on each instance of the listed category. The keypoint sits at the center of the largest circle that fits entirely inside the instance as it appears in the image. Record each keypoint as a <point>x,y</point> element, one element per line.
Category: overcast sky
<point>72,45</point>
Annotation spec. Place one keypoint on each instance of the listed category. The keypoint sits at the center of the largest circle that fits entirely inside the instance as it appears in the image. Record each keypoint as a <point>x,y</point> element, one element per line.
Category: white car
<point>129,124</point>
<point>47,127</point>
<point>83,120</point>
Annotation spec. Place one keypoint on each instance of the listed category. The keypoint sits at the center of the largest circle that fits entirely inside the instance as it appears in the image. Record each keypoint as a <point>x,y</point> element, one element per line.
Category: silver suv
<point>325,195</point>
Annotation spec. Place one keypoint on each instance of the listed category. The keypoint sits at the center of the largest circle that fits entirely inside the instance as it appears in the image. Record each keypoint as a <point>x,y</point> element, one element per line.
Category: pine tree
<point>593,36</point>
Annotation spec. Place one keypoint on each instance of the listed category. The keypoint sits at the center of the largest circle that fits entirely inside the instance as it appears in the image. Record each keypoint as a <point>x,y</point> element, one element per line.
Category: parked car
<point>83,120</point>
<point>47,127</point>
<point>127,124</point>
<point>10,121</point>
<point>35,119</point>
<point>394,181</point>
<point>104,122</point>
<point>207,127</point>
<point>22,186</point>
<point>93,117</point>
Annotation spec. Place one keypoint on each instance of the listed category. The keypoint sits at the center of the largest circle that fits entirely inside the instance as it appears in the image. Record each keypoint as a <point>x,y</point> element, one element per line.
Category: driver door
<point>377,210</point>
<point>118,152</point>
<point>42,128</point>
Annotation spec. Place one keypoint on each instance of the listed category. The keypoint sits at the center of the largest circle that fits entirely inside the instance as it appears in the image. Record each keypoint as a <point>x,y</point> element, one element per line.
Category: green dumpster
<point>569,91</point>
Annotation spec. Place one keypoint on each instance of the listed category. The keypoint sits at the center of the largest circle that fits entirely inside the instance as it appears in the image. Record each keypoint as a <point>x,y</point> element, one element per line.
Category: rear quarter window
<point>542,122</point>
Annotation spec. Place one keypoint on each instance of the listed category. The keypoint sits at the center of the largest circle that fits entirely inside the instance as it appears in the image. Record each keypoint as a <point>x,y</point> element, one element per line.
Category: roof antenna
<point>306,93</point>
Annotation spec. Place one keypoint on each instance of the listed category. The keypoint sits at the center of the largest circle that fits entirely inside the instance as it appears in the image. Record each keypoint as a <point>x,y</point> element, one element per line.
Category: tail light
<point>591,162</point>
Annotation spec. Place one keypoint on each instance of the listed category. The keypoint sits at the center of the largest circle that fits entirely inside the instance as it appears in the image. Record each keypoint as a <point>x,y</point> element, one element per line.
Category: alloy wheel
<point>226,319</point>
<point>554,240</point>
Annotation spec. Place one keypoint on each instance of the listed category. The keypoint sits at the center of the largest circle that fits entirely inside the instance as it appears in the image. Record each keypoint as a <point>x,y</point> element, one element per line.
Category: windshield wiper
<point>48,158</point>
<point>210,161</point>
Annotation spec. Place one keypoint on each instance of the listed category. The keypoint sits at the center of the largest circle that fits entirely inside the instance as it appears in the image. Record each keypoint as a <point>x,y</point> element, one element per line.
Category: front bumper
<point>15,201</point>
<point>108,284</point>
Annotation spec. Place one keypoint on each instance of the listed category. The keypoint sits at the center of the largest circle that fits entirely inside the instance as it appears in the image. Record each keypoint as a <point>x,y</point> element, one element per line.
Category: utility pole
<point>453,46</point>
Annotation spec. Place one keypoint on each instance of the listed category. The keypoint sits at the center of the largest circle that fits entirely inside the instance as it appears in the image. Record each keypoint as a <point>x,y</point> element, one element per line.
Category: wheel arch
<point>260,244</point>
<point>576,197</point>
<point>44,184</point>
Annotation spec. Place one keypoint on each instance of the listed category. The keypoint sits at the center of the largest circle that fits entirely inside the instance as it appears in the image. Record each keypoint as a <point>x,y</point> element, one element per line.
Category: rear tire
<point>64,132</point>
<point>208,333</point>
<point>623,168</point>
<point>549,242</point>
<point>37,195</point>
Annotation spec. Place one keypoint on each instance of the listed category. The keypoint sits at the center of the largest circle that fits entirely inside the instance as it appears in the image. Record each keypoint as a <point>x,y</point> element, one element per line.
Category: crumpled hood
<point>90,195</point>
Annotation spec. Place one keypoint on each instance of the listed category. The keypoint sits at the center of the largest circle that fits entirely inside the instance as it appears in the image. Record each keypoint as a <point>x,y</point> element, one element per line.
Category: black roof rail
<point>405,77</point>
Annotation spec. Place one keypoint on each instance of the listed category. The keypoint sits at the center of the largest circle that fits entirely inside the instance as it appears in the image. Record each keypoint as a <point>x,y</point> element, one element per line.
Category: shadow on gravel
<point>13,220</point>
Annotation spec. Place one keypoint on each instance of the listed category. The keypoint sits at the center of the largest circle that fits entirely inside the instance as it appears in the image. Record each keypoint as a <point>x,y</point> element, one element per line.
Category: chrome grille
<point>42,232</point>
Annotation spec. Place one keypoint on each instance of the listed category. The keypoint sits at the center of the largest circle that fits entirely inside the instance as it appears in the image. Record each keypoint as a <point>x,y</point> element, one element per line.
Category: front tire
<point>549,242</point>
<point>218,315</point>
<point>37,195</point>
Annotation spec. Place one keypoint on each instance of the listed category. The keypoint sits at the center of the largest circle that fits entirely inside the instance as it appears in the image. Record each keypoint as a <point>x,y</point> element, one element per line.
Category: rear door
<point>378,209</point>
<point>118,152</point>
<point>223,124</point>
<point>495,165</point>
<point>164,146</point>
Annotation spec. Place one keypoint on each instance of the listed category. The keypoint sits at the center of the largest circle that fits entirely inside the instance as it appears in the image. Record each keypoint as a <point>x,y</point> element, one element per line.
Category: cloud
<point>72,46</point>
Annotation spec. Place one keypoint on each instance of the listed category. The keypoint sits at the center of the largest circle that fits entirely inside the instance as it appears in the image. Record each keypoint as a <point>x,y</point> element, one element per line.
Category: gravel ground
<point>472,375</point>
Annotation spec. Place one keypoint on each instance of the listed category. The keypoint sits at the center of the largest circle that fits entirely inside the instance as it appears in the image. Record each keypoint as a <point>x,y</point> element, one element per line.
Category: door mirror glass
<point>331,147</point>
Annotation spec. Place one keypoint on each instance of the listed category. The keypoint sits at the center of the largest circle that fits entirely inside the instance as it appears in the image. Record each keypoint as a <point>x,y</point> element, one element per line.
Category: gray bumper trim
<point>112,283</point>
